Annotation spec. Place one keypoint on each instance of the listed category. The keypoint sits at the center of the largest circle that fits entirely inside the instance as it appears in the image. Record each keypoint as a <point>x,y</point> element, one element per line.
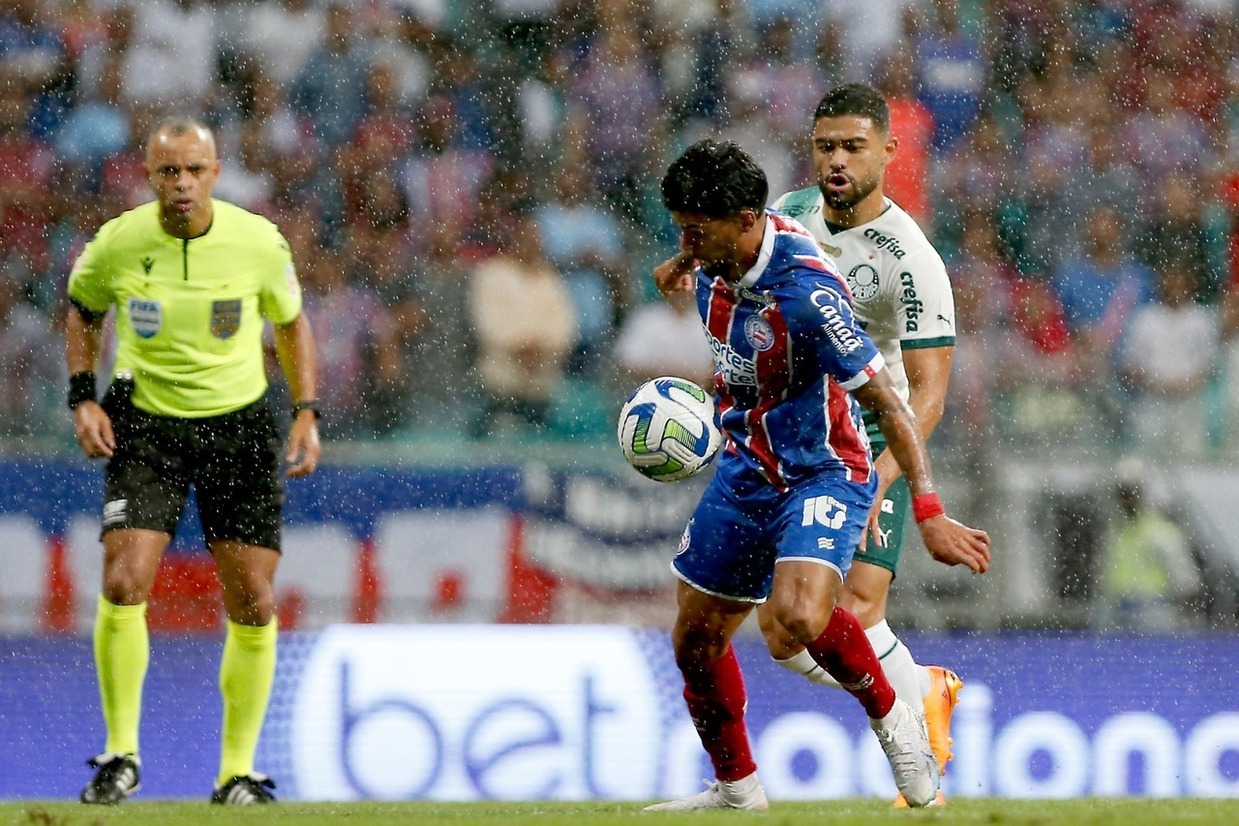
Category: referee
<point>192,280</point>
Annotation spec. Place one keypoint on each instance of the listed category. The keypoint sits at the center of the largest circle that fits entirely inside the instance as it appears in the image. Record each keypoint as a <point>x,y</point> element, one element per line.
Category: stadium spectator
<point>525,327</point>
<point>98,126</point>
<point>664,338</point>
<point>34,58</point>
<point>1100,290</point>
<point>440,347</point>
<point>618,94</point>
<point>584,241</point>
<point>163,67</point>
<point>441,178</point>
<point>328,94</point>
<point>952,72</point>
<point>1169,356</point>
<point>280,36</point>
<point>359,357</point>
<point>907,177</point>
<point>27,169</point>
<point>30,375</point>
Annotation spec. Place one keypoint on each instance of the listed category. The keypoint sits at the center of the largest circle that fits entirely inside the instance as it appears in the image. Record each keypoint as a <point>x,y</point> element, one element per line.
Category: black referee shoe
<point>115,779</point>
<point>245,790</point>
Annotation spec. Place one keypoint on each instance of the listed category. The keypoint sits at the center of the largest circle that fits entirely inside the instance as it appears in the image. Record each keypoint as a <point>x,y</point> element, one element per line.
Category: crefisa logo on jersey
<point>863,282</point>
<point>759,333</point>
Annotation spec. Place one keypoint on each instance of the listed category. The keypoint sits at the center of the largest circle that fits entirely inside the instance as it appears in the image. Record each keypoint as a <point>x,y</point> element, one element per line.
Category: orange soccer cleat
<point>944,689</point>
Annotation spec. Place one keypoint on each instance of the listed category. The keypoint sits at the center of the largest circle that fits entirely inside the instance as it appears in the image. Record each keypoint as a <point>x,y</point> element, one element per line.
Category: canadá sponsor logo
<point>759,333</point>
<point>911,303</point>
<point>837,328</point>
<point>882,241</point>
<point>735,368</point>
<point>145,316</point>
<point>863,282</point>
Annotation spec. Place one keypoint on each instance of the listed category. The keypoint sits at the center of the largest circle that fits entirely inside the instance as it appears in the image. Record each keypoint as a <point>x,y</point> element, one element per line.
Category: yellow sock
<point>122,653</point>
<point>246,673</point>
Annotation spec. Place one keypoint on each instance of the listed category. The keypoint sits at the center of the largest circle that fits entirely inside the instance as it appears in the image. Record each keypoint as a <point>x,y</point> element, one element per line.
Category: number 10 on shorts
<point>824,510</point>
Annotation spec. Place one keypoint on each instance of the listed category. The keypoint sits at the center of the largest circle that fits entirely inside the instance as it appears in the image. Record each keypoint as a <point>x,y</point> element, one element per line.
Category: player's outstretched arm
<point>948,541</point>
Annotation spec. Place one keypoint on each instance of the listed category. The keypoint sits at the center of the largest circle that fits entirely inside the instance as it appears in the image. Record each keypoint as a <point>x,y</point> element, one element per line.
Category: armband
<point>926,506</point>
<point>82,388</point>
<point>308,404</point>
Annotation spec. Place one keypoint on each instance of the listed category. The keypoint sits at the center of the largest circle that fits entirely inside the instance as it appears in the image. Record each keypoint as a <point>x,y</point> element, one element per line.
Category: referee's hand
<point>303,445</point>
<point>93,428</point>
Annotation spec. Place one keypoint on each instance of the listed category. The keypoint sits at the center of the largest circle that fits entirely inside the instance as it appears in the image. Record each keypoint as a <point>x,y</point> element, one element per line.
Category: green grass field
<point>988,812</point>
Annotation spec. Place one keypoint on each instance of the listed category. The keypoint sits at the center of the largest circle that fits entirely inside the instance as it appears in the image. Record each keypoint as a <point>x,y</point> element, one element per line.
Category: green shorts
<point>231,461</point>
<point>892,521</point>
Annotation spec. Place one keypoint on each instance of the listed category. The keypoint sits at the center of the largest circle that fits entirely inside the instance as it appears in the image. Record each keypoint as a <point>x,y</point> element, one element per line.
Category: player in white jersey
<point>902,296</point>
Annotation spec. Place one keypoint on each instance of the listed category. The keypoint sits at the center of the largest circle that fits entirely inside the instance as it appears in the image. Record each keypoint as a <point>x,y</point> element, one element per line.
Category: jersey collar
<point>763,258</point>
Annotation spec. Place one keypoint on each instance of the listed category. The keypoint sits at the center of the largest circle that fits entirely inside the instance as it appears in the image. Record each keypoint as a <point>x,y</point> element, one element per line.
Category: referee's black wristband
<point>309,404</point>
<point>82,388</point>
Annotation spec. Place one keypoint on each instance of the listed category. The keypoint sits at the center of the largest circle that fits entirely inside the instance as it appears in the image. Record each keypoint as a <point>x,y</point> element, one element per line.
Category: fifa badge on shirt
<point>145,316</point>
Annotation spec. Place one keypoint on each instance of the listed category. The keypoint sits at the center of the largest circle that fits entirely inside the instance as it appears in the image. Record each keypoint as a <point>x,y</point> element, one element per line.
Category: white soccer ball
<point>667,431</point>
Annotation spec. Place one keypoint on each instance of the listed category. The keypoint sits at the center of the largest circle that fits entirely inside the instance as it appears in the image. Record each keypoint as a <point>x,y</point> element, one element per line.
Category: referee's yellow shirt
<point>189,313</point>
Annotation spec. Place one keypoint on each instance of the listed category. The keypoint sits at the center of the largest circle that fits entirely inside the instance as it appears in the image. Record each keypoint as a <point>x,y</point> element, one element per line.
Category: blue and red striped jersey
<point>787,349</point>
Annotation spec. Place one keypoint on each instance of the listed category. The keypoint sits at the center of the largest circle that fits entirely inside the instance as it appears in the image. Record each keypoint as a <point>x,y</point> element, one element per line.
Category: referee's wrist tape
<point>310,405</point>
<point>82,388</point>
<point>926,506</point>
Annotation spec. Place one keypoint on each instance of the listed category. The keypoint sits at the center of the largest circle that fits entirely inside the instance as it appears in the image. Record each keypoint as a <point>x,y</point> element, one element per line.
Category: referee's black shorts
<point>232,462</point>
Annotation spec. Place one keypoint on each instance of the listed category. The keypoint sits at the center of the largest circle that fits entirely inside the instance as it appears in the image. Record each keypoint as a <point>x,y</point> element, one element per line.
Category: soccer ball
<point>666,429</point>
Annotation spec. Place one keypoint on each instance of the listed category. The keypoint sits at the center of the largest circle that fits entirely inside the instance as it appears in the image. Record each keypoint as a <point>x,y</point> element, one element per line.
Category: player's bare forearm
<point>929,372</point>
<point>898,425</point>
<point>294,345</point>
<point>81,341</point>
<point>92,427</point>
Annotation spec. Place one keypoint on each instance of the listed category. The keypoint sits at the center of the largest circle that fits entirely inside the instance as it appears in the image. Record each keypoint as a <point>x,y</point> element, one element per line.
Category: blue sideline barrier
<point>589,712</point>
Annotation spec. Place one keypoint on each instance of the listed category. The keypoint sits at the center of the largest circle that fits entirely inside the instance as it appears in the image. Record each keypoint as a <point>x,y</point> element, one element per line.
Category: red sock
<point>845,652</point>
<point>715,695</point>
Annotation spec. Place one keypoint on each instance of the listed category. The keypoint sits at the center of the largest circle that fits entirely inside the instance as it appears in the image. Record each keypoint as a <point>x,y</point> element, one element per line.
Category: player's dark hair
<point>714,178</point>
<point>858,99</point>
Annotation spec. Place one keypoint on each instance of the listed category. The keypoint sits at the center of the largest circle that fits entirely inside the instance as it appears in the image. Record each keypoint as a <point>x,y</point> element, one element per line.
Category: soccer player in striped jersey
<point>795,482</point>
<point>902,297</point>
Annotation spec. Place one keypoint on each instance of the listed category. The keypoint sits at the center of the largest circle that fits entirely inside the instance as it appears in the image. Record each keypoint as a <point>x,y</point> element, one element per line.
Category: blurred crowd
<point>470,190</point>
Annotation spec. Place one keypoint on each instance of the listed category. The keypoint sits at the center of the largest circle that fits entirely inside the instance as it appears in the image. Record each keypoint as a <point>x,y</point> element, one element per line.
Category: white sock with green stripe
<point>897,662</point>
<point>905,676</point>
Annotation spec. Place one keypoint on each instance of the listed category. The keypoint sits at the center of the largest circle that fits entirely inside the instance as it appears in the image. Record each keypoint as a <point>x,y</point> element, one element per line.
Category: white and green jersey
<point>189,312</point>
<point>900,289</point>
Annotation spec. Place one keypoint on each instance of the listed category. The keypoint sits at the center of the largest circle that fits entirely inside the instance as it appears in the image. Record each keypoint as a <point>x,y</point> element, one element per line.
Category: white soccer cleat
<point>745,793</point>
<point>905,740</point>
